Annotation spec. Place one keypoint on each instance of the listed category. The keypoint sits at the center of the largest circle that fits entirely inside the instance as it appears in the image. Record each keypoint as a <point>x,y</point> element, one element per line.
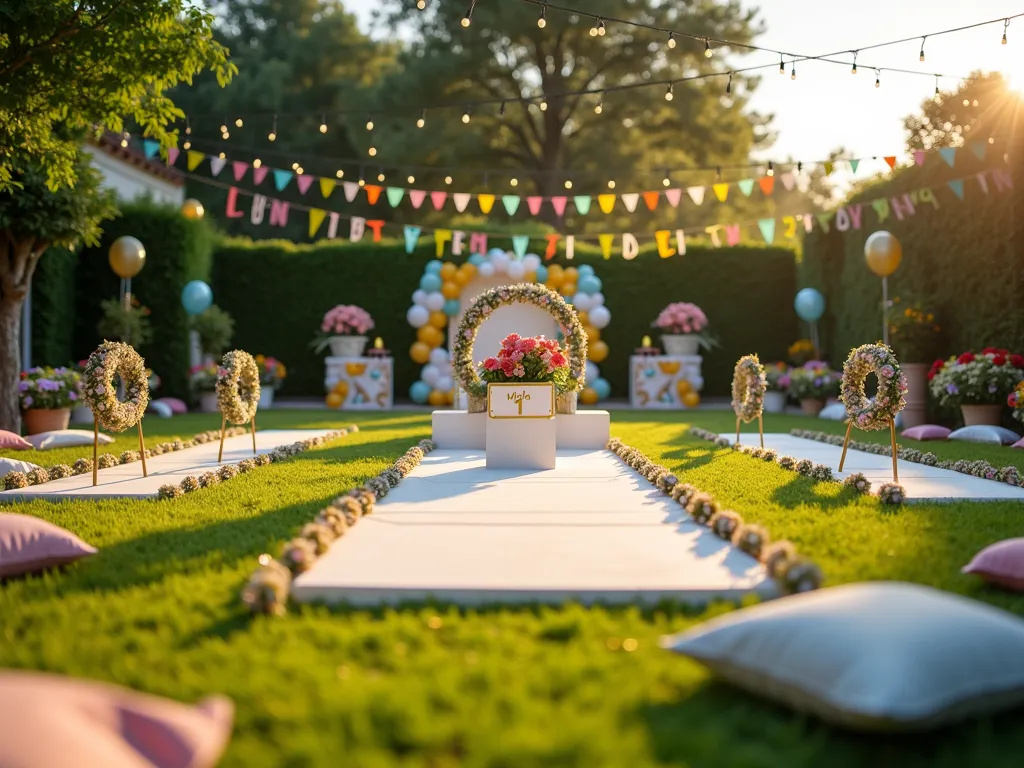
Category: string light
<point>124,138</point>
<point>1006,23</point>
<point>448,180</point>
<point>340,174</point>
<point>611,184</point>
<point>372,151</point>
<point>225,135</point>
<point>544,105</point>
<point>257,163</point>
<point>728,86</point>
<point>468,18</point>
<point>771,168</point>
<point>238,123</point>
<point>294,166</point>
<point>671,40</point>
<point>974,103</point>
<point>422,119</point>
<point>187,145</point>
<point>362,182</point>
<point>878,78</point>
<point>568,184</point>
<point>967,102</point>
<point>188,127</point>
<point>708,53</point>
<point>599,107</point>
<point>465,116</point>
<point>543,20</point>
<point>668,93</point>
<point>222,156</point>
<point>411,179</point>
<point>421,4</point>
<point>854,69</point>
<point>598,29</point>
<point>369,122</point>
<point>792,72</point>
<point>782,65</point>
<point>223,127</point>
<point>921,56</point>
<point>323,124</point>
<point>380,177</point>
<point>272,136</point>
<point>667,182</point>
<point>514,182</point>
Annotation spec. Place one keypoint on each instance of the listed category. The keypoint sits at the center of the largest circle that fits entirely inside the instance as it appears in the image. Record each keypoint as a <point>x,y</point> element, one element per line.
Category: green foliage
<point>130,325</point>
<point>215,328</point>
<point>67,67</point>
<point>746,292</point>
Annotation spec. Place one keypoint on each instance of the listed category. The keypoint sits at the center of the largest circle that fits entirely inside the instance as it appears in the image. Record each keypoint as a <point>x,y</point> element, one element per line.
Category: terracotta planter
<point>812,406</point>
<point>39,420</point>
<point>916,411</point>
<point>348,346</point>
<point>986,415</point>
<point>680,343</point>
<point>208,402</point>
<point>774,402</point>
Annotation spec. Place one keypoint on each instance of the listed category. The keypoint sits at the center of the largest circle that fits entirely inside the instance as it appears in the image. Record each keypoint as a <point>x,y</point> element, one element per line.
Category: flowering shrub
<point>913,332</point>
<point>347,320</point>
<point>681,317</point>
<point>203,378</point>
<point>533,358</point>
<point>777,376</point>
<point>48,388</point>
<point>813,381</point>
<point>272,371</point>
<point>1016,401</point>
<point>801,351</point>
<point>985,378</point>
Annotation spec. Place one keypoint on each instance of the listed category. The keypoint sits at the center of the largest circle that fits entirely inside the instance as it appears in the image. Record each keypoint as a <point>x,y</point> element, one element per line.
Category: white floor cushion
<point>65,438</point>
<point>14,465</point>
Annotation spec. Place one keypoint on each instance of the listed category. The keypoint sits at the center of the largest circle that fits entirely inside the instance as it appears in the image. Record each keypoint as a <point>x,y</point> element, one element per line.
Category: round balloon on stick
<point>809,305</point>
<point>196,297</point>
<point>127,257</point>
<point>883,253</point>
<point>192,209</point>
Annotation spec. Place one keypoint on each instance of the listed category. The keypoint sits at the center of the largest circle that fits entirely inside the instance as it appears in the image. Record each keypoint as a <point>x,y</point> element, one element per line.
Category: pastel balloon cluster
<point>435,385</point>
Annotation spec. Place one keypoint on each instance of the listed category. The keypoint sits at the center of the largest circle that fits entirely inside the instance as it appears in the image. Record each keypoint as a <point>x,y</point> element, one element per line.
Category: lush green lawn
<point>158,610</point>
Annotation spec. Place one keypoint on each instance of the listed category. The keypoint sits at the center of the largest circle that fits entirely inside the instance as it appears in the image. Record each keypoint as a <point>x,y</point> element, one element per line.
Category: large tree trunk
<point>10,362</point>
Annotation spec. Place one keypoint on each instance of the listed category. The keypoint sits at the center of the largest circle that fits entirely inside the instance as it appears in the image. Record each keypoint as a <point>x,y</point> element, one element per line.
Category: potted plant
<point>682,327</point>
<point>812,384</point>
<point>203,383</point>
<point>1016,401</point>
<point>272,375</point>
<point>801,351</point>
<point>914,337</point>
<point>778,378</point>
<point>530,359</point>
<point>977,383</point>
<point>215,329</point>
<point>344,330</point>
<point>125,322</point>
<point>47,396</point>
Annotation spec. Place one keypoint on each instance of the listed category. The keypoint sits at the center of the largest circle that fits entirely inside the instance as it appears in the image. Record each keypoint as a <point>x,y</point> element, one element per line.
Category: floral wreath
<point>488,301</point>
<point>861,411</point>
<point>238,387</point>
<point>115,358</point>
<point>748,387</point>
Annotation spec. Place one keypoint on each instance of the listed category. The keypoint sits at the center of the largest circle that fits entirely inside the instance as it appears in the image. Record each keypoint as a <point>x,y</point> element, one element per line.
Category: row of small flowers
<point>888,493</point>
<point>268,588</point>
<point>227,471</point>
<point>793,572</point>
<point>980,468</point>
<point>15,480</point>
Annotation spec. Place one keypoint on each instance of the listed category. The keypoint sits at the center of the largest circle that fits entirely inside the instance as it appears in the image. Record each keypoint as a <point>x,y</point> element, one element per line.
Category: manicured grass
<point>158,610</point>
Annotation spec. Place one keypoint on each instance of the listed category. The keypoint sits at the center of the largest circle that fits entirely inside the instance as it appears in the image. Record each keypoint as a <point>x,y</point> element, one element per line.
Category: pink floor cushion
<point>12,442</point>
<point>985,434</point>
<point>1001,564</point>
<point>178,407</point>
<point>1018,444</point>
<point>28,544</point>
<point>926,432</point>
<point>47,721</point>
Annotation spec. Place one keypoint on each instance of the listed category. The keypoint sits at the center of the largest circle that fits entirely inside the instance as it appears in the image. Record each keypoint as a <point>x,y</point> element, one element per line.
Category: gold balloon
<point>448,271</point>
<point>691,399</point>
<point>127,257</point>
<point>589,396</point>
<point>683,387</point>
<point>883,253</point>
<point>597,351</point>
<point>334,400</point>
<point>593,334</point>
<point>567,289</point>
<point>451,289</point>
<point>436,397</point>
<point>192,209</point>
<point>430,336</point>
<point>419,352</point>
<point>584,318</point>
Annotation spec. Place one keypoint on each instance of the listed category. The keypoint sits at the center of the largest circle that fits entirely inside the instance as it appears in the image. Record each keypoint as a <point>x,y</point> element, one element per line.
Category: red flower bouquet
<point>529,359</point>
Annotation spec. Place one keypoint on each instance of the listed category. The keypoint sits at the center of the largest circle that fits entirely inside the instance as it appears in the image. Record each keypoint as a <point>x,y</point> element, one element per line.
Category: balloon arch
<point>438,300</point>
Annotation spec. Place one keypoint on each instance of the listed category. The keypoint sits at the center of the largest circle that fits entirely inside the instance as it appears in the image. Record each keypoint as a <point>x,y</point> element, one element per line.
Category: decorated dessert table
<point>665,381</point>
<point>360,383</point>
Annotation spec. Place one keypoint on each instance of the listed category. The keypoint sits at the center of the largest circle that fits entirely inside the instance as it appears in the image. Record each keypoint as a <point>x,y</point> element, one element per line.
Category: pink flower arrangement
<point>681,317</point>
<point>531,358</point>
<point>346,320</point>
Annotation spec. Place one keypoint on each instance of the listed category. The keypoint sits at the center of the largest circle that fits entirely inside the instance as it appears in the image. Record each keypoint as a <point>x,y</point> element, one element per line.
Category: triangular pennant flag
<point>721,191</point>
<point>373,193</point>
<point>606,202</point>
<point>461,200</point>
<point>957,185</point>
<point>674,196</point>
<point>558,203</point>
<point>829,167</point>
<point>606,244</point>
<point>696,194</point>
<point>982,181</point>
<point>511,203</point>
<point>948,154</point>
<point>395,195</point>
<point>150,147</point>
<point>281,179</point>
<point>412,234</point>
<point>630,199</point>
<point>194,159</point>
<point>486,202</point>
<point>979,148</point>
<point>534,203</point>
<point>259,174</point>
<point>316,218</point>
<point>519,244</point>
<point>853,165</point>
<point>416,197</point>
<point>788,181</point>
<point>918,157</point>
<point>351,190</point>
<point>891,160</point>
<point>746,186</point>
<point>582,203</point>
<point>767,184</point>
<point>217,165</point>
<point>767,227</point>
<point>172,155</point>
<point>238,168</point>
<point>437,198</point>
<point>304,182</point>
<point>651,200</point>
<point>326,187</point>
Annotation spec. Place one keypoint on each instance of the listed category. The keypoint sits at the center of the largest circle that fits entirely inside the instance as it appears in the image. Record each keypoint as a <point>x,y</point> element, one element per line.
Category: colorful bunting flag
<point>281,179</point>
<point>304,182</point>
<point>854,164</point>
<point>767,184</point>
<point>948,154</point>
<point>437,198</point>
<point>486,202</point>
<point>172,155</point>
<point>520,243</point>
<point>461,200</point>
<point>918,157</point>
<point>673,196</point>
<point>630,199</point>
<point>767,227</point>
<point>746,186</point>
<point>412,235</point>
<point>326,187</point>
<point>238,169</point>
<point>788,181</point>
<point>721,190</point>
<point>193,159</point>
<point>416,197</point>
<point>829,167</point>
<point>651,200</point>
<point>979,148</point>
<point>316,218</point>
<point>891,160</point>
<point>606,202</point>
<point>373,193</point>
<point>259,174</point>
<point>394,195</point>
<point>351,189</point>
<point>534,203</point>
<point>511,203</point>
<point>150,148</point>
<point>582,203</point>
<point>696,194</point>
<point>558,203</point>
<point>217,165</point>
<point>957,185</point>
<point>605,242</point>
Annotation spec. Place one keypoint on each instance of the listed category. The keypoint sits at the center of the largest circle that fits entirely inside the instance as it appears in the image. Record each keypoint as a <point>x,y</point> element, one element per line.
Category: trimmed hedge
<point>278,293</point>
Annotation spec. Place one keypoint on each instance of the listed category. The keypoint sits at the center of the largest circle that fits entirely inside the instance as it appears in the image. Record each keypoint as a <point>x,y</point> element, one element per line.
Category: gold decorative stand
<point>760,429</point>
<point>892,434</point>
<point>223,426</point>
<point>96,449</point>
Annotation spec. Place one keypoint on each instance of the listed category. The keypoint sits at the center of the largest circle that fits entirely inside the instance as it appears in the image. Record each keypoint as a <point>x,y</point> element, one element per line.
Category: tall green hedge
<point>278,293</point>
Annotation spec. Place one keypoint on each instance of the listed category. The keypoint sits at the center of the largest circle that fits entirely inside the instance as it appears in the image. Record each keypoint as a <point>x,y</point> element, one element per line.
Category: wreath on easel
<point>238,393</point>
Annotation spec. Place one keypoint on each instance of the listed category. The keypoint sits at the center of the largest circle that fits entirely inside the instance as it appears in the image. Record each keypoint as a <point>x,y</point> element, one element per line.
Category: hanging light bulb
<point>771,168</point>
<point>568,184</point>
<point>372,151</point>
<point>257,163</point>
<point>369,122</point>
<point>468,18</point>
<point>921,55</point>
<point>708,53</point>
<point>238,123</point>
<point>422,119</point>
<point>411,179</point>
<point>878,78</point>
<point>362,182</point>
<point>544,105</point>
<point>1006,23</point>
<point>225,135</point>
<point>611,183</point>
<point>124,138</point>
<point>514,182</point>
<point>294,166</point>
<point>421,4</point>
<point>600,27</point>
<point>380,177</point>
<point>782,65</point>
<point>448,180</point>
<point>465,116</point>
<point>668,93</point>
<point>272,136</point>
<point>792,72</point>
<point>222,156</point>
<point>974,103</point>
<point>728,86</point>
<point>187,145</point>
<point>853,70</point>
<point>666,182</point>
<point>323,125</point>
<point>967,102</point>
<point>543,20</point>
<point>599,107</point>
<point>671,40</point>
<point>299,170</point>
<point>223,128</point>
<point>340,174</point>
<point>188,128</point>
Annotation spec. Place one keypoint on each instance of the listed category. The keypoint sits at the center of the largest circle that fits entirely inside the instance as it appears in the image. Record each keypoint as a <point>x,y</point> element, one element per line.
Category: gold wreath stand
<point>223,425</point>
<point>760,429</point>
<point>96,448</point>
<point>892,433</point>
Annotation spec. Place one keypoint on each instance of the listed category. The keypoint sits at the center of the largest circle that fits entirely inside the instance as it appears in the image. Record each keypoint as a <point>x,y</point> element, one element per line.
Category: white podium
<point>520,431</point>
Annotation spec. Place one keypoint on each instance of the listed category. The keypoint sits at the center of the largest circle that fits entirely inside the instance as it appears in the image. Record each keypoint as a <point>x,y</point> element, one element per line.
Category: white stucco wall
<point>130,182</point>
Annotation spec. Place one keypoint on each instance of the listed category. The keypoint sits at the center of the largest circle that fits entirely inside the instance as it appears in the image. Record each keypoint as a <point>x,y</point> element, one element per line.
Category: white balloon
<point>531,261</point>
<point>435,301</point>
<point>600,317</point>
<point>593,373</point>
<point>596,300</point>
<point>516,270</point>
<point>445,384</point>
<point>431,374</point>
<point>419,296</point>
<point>485,270</point>
<point>439,357</point>
<point>697,382</point>
<point>417,316</point>
<point>500,262</point>
<point>582,302</point>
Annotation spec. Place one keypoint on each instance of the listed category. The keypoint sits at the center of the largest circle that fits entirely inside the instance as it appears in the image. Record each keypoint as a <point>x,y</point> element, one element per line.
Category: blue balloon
<point>496,252</point>
<point>809,305</point>
<point>585,270</point>
<point>542,274</point>
<point>477,259</point>
<point>419,391</point>
<point>430,282</point>
<point>196,297</point>
<point>433,267</point>
<point>451,307</point>
<point>602,387</point>
<point>589,284</point>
